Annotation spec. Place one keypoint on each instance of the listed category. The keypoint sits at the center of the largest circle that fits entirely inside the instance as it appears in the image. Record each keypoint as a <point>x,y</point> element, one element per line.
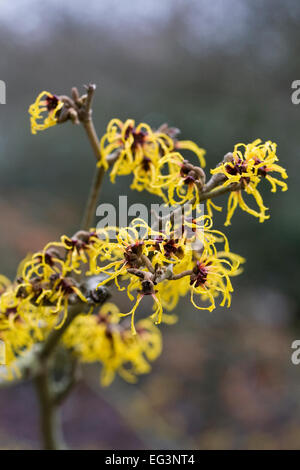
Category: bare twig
<point>218,178</point>
<point>50,425</point>
<point>147,263</point>
<point>91,206</point>
<point>218,192</point>
<point>85,116</point>
<point>49,398</point>
<point>175,277</point>
<point>65,386</point>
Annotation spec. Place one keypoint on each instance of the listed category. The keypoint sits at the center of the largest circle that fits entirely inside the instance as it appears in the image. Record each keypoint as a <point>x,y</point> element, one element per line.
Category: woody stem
<point>91,133</point>
<point>50,425</point>
<point>217,192</point>
<point>90,210</point>
<point>50,398</point>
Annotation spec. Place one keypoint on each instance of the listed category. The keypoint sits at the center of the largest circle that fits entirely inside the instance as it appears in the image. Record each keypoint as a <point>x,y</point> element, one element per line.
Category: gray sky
<point>218,19</point>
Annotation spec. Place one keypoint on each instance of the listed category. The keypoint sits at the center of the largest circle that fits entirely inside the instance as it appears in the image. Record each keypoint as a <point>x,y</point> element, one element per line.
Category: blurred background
<point>222,72</point>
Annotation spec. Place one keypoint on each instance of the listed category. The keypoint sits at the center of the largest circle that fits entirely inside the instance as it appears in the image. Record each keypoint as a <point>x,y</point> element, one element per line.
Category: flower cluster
<point>182,181</point>
<point>247,166</point>
<point>20,322</point>
<point>38,302</point>
<point>139,150</point>
<point>169,264</point>
<point>154,159</point>
<point>164,265</point>
<point>103,338</point>
<point>182,256</point>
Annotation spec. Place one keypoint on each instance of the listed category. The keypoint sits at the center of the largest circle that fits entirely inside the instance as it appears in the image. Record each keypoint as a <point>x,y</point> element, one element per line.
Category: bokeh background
<point>220,71</point>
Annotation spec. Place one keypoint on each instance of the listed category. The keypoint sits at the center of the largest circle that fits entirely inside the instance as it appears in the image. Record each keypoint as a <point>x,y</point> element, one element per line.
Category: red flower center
<point>51,102</point>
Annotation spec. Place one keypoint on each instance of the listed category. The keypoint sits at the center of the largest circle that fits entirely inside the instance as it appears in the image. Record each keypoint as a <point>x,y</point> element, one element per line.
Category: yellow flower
<point>211,278</point>
<point>46,281</point>
<point>129,250</point>
<point>200,272</point>
<point>20,326</point>
<point>102,338</point>
<point>249,165</point>
<point>182,181</point>
<point>189,145</point>
<point>163,265</point>
<point>45,103</point>
<point>138,150</point>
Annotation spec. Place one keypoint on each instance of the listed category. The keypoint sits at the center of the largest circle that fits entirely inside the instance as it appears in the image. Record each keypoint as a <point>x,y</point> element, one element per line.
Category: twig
<point>50,424</point>
<point>175,277</point>
<point>148,263</point>
<point>37,363</point>
<point>90,210</point>
<point>215,180</point>
<point>63,389</point>
<point>218,192</point>
<point>85,117</point>
<point>92,136</point>
<point>48,399</point>
<point>218,178</point>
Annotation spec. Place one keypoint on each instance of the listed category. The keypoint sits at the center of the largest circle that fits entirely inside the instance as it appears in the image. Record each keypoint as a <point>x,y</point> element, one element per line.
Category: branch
<point>85,116</point>
<point>49,396</point>
<point>49,417</point>
<point>175,277</point>
<point>218,192</point>
<point>64,387</point>
<point>91,206</point>
<point>218,178</point>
